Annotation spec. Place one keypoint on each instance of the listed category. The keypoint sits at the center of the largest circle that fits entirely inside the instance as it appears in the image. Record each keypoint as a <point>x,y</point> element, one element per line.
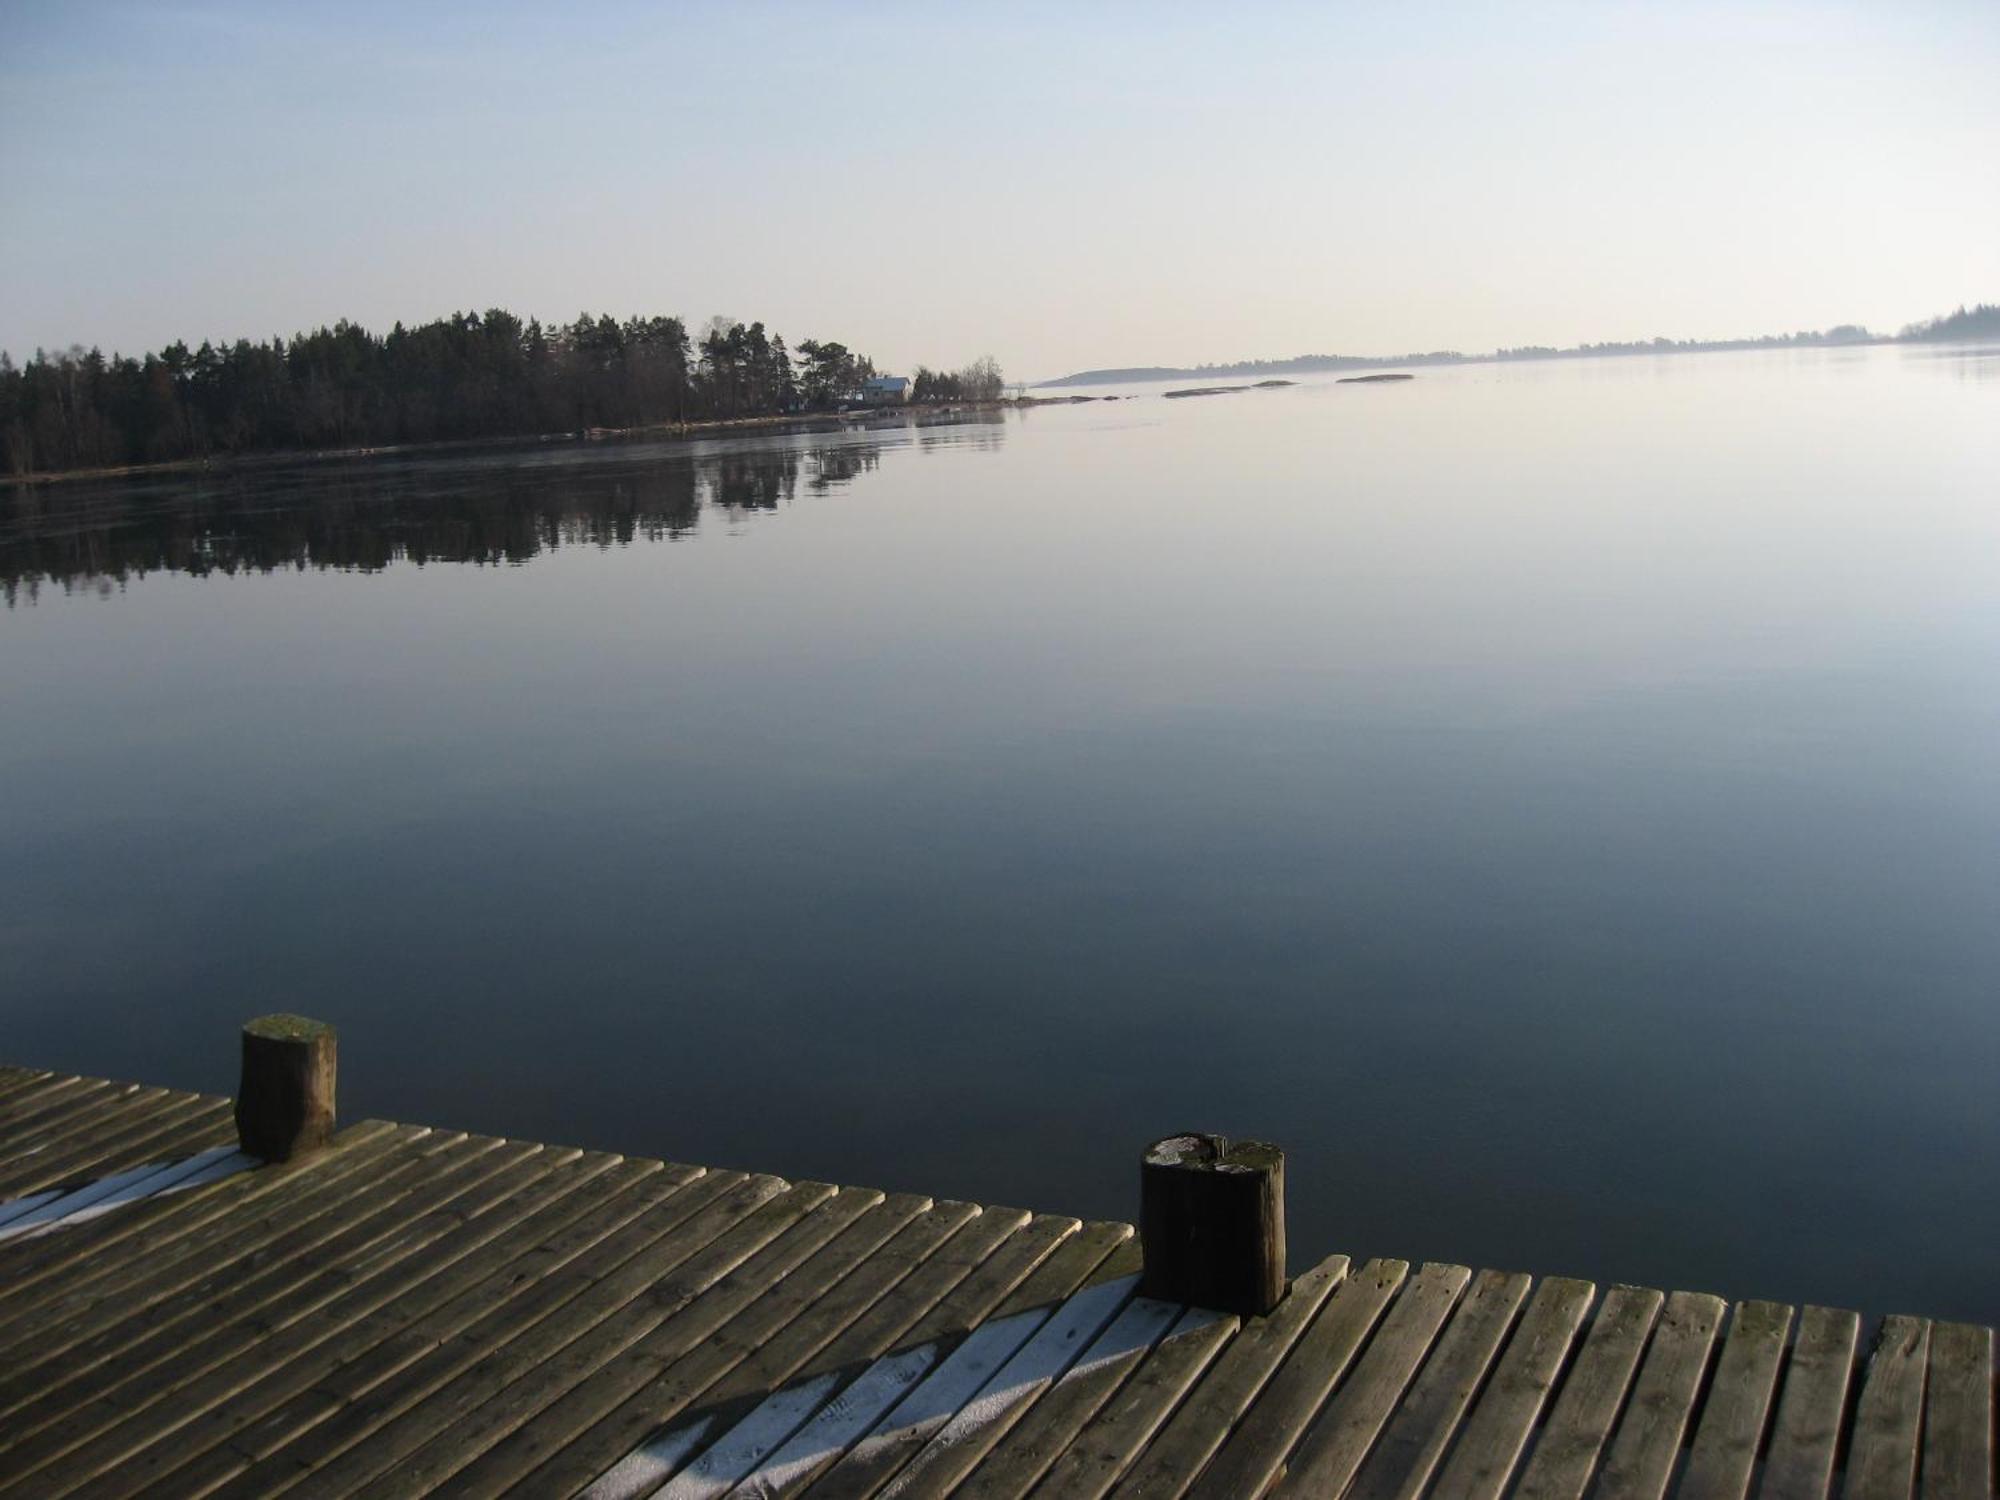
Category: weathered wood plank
<point>1806,1436</point>
<point>165,1139</point>
<point>977,1268</point>
<point>118,1406</point>
<point>1176,1455</point>
<point>927,1409</point>
<point>170,1434</point>
<point>912,1423</point>
<point>623,1449</point>
<point>1958,1414</point>
<point>1045,1431</point>
<point>13,1079</point>
<point>112,1142</point>
<point>1256,1451</point>
<point>106,1193</point>
<point>666,1376</point>
<point>825,1420</point>
<point>990,1285</point>
<point>81,1115</point>
<point>1648,1441</point>
<point>1331,1452</point>
<point>1496,1432</point>
<point>1565,1457</point>
<point>981,1422</point>
<point>1425,1418</point>
<point>395,1338</point>
<point>1882,1457</point>
<point>51,1280</point>
<point>1104,1449</point>
<point>1738,1405</point>
<point>425,1398</point>
<point>128,1321</point>
<point>1077,1260</point>
<point>768,1248</point>
<point>49,1112</point>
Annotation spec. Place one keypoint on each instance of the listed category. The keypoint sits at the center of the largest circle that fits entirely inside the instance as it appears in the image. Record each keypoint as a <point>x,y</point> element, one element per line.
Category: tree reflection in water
<point>505,506</point>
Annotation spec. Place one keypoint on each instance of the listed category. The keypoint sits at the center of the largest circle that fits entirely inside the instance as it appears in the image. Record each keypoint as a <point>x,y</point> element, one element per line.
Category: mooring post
<point>284,1105</point>
<point>1212,1223</point>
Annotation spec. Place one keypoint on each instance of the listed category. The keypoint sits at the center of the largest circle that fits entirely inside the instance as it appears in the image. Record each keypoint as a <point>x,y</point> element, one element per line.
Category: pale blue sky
<point>1059,185</point>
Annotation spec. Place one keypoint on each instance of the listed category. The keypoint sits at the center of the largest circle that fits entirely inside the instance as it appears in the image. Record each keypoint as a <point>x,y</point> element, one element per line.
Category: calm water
<point>1561,804</point>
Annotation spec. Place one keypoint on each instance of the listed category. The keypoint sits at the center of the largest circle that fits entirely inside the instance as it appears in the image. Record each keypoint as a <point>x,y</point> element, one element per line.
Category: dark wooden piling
<point>285,1103</point>
<point>1212,1223</point>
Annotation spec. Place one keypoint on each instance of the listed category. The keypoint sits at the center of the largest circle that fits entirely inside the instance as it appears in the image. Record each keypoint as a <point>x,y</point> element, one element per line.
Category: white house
<point>886,390</point>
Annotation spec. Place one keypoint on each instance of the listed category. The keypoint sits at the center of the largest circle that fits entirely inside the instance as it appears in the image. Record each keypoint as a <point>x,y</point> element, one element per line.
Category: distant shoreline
<point>273,457</point>
<point>1966,325</point>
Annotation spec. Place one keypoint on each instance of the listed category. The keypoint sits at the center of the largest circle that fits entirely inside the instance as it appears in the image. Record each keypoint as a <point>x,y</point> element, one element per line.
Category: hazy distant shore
<point>1981,322</point>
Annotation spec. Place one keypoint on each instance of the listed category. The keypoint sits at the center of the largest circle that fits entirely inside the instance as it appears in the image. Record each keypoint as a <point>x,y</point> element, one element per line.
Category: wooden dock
<point>414,1311</point>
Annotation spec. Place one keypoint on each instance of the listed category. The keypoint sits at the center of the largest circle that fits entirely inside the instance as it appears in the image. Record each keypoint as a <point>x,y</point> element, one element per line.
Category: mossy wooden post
<point>284,1107</point>
<point>1212,1223</point>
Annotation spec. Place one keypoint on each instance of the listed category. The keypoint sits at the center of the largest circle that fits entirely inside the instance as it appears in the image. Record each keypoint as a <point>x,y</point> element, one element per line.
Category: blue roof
<point>885,383</point>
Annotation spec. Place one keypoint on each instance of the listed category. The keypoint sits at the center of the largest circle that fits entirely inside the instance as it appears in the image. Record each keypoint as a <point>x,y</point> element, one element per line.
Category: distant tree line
<point>1844,333</point>
<point>1981,322</point>
<point>467,376</point>
<point>1975,323</point>
<point>978,381</point>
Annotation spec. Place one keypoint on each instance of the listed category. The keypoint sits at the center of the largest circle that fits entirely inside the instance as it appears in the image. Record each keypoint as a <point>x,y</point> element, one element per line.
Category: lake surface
<point>1560,803</point>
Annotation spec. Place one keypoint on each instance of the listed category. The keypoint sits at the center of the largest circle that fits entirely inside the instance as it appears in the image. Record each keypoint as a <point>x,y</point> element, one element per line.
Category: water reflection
<point>365,516</point>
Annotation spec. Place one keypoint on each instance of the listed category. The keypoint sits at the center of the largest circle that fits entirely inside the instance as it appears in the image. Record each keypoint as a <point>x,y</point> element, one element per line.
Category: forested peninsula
<point>468,377</point>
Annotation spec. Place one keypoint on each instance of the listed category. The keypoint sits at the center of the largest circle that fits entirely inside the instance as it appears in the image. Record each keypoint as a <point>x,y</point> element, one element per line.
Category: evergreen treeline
<point>467,376</point>
<point>1981,322</point>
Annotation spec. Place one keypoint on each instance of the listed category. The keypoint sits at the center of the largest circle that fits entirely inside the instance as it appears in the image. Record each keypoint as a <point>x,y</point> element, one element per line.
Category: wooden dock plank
<point>1496,1432</point>
<point>104,1194</point>
<point>568,1208</point>
<point>1738,1405</point>
<point>404,1413</point>
<point>1641,1458</point>
<point>394,1339</point>
<point>989,1285</point>
<point>769,1248</point>
<point>653,1384</point>
<point>612,1450</point>
<point>14,1078</point>
<point>1882,1456</point>
<point>1104,1449</point>
<point>414,1313</point>
<point>162,1245</point>
<point>1425,1419</point>
<point>170,1434</point>
<point>954,1289</point>
<point>981,1422</point>
<point>1256,1451</point>
<point>854,1322</point>
<point>153,1132</point>
<point>904,1431</point>
<point>1806,1436</point>
<point>87,1113</point>
<point>932,1402</point>
<point>1329,1455</point>
<point>1046,1430</point>
<point>1958,1414</point>
<point>1228,1388</point>
<point>126,1320</point>
<point>106,1396</point>
<point>1565,1458</point>
<point>46,1111</point>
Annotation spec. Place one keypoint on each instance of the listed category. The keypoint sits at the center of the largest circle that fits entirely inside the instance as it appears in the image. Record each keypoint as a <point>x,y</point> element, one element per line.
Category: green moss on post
<point>285,1102</point>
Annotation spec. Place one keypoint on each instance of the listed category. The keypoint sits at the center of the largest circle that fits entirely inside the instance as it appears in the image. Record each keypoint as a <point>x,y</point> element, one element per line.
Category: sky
<point>1060,186</point>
